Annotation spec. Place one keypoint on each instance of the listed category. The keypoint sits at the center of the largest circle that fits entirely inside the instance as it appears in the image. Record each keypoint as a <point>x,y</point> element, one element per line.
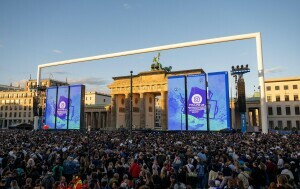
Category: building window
<point>270,110</point>
<point>1,108</point>
<point>25,107</point>
<point>271,124</point>
<point>277,88</point>
<point>5,114</point>
<point>286,97</point>
<point>90,98</point>
<point>6,107</point>
<point>103,100</point>
<point>10,114</point>
<point>268,88</point>
<point>269,99</point>
<point>15,114</point>
<point>136,100</point>
<point>277,98</point>
<point>295,86</point>
<point>298,124</point>
<point>289,125</point>
<point>279,110</point>
<point>297,112</point>
<point>286,87</point>
<point>29,114</point>
<point>29,107</point>
<point>288,110</point>
<point>20,114</point>
<point>24,114</point>
<point>279,124</point>
<point>296,98</point>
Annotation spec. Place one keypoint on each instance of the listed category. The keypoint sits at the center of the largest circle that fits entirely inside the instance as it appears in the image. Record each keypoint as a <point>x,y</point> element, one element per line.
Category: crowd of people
<point>155,160</point>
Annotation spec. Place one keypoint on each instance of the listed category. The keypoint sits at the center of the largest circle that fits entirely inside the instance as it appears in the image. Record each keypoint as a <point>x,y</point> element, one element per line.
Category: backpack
<point>200,170</point>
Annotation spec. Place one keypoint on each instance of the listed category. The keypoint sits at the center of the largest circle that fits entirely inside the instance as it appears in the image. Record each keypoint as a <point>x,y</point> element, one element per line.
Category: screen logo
<point>62,105</point>
<point>196,99</point>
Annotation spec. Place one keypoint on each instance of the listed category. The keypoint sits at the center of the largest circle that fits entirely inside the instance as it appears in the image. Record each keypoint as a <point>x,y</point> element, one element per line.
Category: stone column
<point>142,111</point>
<point>99,120</point>
<point>113,117</point>
<point>93,120</point>
<point>88,119</point>
<point>108,116</point>
<point>127,111</point>
<point>163,104</point>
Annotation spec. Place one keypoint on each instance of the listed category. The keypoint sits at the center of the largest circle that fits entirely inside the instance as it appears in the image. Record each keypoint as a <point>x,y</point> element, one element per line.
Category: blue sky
<point>34,32</point>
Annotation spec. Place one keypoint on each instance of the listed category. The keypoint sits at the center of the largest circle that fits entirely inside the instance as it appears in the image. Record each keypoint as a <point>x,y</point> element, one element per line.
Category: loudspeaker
<point>241,95</point>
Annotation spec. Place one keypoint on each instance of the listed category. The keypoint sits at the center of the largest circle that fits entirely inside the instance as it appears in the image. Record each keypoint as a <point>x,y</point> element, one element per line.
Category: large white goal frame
<point>259,54</point>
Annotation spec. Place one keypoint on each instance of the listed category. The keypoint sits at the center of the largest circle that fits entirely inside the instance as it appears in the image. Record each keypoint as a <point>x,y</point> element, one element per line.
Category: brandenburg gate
<point>149,98</point>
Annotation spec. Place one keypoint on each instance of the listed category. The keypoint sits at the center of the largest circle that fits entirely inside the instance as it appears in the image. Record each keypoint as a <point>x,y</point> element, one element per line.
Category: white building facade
<point>283,103</point>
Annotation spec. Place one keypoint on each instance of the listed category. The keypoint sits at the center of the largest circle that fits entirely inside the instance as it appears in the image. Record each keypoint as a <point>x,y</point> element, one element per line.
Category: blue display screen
<point>75,107</point>
<point>50,107</point>
<point>62,107</point>
<point>218,99</point>
<point>176,103</point>
<point>196,102</point>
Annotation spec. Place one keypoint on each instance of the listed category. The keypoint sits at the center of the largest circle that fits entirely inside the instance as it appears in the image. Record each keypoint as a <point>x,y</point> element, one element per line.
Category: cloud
<point>274,70</point>
<point>57,51</point>
<point>126,6</point>
<point>89,81</point>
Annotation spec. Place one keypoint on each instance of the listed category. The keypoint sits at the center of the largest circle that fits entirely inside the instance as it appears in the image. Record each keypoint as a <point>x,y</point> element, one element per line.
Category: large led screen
<point>50,107</point>
<point>218,98</point>
<point>76,106</point>
<point>62,107</point>
<point>196,102</point>
<point>176,103</point>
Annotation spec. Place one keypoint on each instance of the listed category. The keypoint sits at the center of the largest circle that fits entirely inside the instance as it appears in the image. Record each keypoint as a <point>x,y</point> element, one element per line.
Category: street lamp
<point>130,122</point>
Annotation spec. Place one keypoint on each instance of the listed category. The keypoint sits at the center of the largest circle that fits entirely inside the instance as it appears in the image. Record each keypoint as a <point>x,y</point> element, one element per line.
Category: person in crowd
<point>48,180</point>
<point>243,178</point>
<point>57,171</point>
<point>150,158</point>
<point>14,184</point>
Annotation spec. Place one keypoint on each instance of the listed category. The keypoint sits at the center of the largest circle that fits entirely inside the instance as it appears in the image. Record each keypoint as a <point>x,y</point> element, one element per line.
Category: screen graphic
<point>50,107</point>
<point>196,102</point>
<point>62,107</point>
<point>75,107</point>
<point>176,103</point>
<point>218,101</point>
